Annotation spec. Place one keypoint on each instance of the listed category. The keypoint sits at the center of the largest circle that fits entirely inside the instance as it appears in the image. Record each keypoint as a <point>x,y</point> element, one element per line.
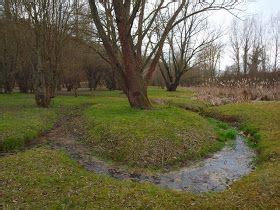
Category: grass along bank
<point>260,121</point>
<point>21,120</point>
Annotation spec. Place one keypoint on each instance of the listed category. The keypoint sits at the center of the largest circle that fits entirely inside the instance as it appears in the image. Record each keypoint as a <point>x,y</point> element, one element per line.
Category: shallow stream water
<point>215,173</point>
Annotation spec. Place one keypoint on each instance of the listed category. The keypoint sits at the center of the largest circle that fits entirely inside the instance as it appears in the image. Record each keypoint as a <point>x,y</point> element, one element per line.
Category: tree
<point>123,26</point>
<point>49,20</point>
<point>275,28</point>
<point>209,58</point>
<point>246,42</point>
<point>9,48</point>
<point>184,43</point>
<point>255,60</point>
<point>73,69</point>
<point>236,42</point>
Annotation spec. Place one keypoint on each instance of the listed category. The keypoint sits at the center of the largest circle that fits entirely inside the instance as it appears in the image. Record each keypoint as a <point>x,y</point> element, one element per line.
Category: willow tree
<point>126,30</point>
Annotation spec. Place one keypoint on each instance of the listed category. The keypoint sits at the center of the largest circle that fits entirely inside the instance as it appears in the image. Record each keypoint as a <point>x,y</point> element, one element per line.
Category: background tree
<point>236,45</point>
<point>9,48</point>
<point>184,42</point>
<point>275,29</point>
<point>49,20</point>
<point>209,59</point>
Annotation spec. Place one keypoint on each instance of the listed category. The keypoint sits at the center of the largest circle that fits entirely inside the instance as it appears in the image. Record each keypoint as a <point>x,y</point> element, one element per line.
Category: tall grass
<point>217,92</point>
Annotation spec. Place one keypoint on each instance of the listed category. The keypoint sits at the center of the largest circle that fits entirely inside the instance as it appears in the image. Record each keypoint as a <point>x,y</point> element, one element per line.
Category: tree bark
<point>42,92</point>
<point>136,91</point>
<point>42,95</point>
<point>136,88</point>
<point>172,87</point>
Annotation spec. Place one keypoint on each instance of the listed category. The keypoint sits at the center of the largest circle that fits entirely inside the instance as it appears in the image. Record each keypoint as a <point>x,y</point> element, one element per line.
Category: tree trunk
<point>138,97</point>
<point>42,92</point>
<point>42,95</point>
<point>172,87</point>
<point>69,87</point>
<point>136,91</point>
<point>53,87</point>
<point>170,83</point>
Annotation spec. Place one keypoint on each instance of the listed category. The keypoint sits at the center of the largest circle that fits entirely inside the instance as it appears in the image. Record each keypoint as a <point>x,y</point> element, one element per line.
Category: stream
<point>214,173</point>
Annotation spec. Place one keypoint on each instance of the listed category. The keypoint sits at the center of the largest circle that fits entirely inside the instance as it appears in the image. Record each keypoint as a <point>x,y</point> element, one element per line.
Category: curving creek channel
<point>214,173</point>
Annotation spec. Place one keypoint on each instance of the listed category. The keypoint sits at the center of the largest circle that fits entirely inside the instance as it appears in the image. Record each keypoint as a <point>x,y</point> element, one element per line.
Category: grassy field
<point>21,120</point>
<point>47,178</point>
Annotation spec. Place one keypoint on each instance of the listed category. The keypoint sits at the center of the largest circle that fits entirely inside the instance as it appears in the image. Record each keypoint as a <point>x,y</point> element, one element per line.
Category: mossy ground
<point>47,178</point>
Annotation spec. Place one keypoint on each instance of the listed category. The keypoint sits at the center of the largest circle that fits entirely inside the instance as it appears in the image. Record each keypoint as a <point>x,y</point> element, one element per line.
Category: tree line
<point>255,45</point>
<point>47,44</point>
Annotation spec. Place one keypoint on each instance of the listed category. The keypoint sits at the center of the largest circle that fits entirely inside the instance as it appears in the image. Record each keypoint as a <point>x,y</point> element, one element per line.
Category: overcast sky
<point>263,8</point>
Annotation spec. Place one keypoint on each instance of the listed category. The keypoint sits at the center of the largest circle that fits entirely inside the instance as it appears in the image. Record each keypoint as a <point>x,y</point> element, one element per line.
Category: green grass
<point>261,121</point>
<point>224,131</point>
<point>21,120</point>
<point>162,137</point>
<point>44,178</point>
<point>49,179</point>
<point>183,98</point>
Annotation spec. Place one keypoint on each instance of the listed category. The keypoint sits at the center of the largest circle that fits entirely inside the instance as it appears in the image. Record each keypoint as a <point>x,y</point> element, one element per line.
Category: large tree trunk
<point>138,97</point>
<point>136,91</point>
<point>170,83</point>
<point>42,95</point>
<point>172,87</point>
<point>42,92</point>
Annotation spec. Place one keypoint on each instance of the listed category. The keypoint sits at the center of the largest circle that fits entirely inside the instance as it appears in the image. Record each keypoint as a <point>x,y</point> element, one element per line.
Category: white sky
<point>263,8</point>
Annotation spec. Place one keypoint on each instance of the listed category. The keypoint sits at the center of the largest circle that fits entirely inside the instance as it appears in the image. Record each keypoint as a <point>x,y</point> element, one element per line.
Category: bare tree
<point>235,41</point>
<point>9,48</point>
<point>246,42</point>
<point>209,59</point>
<point>123,27</point>
<point>275,28</point>
<point>184,42</point>
<point>49,22</point>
